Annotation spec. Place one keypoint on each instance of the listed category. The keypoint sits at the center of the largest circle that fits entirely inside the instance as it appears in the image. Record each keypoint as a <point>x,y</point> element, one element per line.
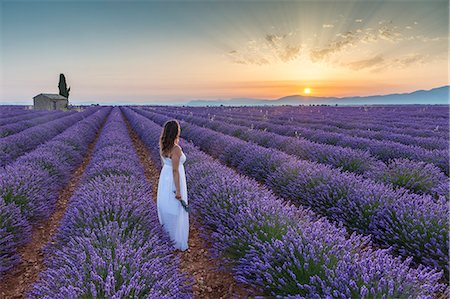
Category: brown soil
<point>196,262</point>
<point>22,277</point>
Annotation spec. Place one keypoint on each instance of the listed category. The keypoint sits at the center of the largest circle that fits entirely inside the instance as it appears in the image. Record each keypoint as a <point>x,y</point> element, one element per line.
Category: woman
<point>172,187</point>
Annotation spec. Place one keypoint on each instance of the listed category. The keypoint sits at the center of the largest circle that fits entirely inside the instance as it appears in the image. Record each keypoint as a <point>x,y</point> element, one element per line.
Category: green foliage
<point>17,198</point>
<point>63,90</point>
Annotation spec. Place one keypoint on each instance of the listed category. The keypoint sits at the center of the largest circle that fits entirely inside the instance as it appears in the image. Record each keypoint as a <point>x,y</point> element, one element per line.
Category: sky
<point>138,52</point>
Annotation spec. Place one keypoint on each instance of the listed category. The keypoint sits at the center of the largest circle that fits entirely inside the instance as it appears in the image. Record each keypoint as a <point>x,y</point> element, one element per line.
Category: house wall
<point>42,102</point>
<point>61,104</point>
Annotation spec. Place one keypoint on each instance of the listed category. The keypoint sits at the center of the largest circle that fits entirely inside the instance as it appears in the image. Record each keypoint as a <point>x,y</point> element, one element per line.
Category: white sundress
<point>171,213</point>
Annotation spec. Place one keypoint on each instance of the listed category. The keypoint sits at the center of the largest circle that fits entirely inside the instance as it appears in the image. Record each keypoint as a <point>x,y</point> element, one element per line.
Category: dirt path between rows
<point>196,261</point>
<point>22,277</point>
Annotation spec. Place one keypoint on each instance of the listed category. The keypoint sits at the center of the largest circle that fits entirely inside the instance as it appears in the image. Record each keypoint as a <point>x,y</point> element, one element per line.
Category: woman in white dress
<point>172,187</point>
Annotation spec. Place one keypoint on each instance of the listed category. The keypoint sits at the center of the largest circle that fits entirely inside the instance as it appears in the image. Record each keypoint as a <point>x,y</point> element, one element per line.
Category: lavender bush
<point>282,250</point>
<point>357,161</point>
<point>420,177</point>
<point>383,150</point>
<point>15,127</point>
<point>425,121</point>
<point>14,231</point>
<point>360,204</point>
<point>29,186</point>
<point>348,159</point>
<point>13,146</point>
<point>110,243</point>
<point>13,117</point>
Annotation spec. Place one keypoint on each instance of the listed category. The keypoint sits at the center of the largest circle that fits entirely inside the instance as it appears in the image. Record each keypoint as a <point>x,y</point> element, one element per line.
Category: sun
<point>307,90</point>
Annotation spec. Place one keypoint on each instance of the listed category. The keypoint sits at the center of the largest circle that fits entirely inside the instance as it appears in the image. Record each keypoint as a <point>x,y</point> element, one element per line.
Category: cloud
<point>366,63</point>
<point>409,59</point>
<point>379,62</point>
<point>282,49</point>
<point>385,31</point>
<point>269,49</point>
<point>425,39</point>
<point>346,39</point>
<point>246,58</point>
<point>274,38</point>
<point>289,53</point>
<point>286,47</point>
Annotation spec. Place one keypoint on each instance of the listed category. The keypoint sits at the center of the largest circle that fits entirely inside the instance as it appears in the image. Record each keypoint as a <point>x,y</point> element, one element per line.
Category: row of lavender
<point>418,177</point>
<point>427,137</point>
<point>390,118</point>
<point>414,225</point>
<point>11,107</point>
<point>14,146</point>
<point>15,127</point>
<point>433,140</point>
<point>280,249</point>
<point>110,243</point>
<point>438,141</point>
<point>382,150</point>
<point>384,132</point>
<point>12,111</point>
<point>29,186</point>
<point>9,110</point>
<point>385,150</point>
<point>13,117</point>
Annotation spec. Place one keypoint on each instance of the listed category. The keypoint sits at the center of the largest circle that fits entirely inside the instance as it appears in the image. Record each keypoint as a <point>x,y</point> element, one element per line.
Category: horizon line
<point>185,101</point>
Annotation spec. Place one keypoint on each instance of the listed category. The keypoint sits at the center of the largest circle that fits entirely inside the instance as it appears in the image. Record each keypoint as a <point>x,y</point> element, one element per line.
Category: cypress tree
<point>63,87</point>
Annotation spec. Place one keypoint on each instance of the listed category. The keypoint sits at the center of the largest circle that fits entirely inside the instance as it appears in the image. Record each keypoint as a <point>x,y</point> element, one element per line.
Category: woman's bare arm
<point>176,154</point>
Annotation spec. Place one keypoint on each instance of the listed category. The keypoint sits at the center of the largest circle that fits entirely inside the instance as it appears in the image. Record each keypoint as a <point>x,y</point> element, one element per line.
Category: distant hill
<point>439,95</point>
<point>231,102</point>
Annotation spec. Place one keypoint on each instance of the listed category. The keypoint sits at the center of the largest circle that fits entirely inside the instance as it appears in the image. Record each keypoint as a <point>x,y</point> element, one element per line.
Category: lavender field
<point>290,201</point>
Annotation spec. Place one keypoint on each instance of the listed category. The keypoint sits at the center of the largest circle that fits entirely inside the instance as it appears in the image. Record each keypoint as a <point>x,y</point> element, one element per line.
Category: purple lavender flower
<point>280,249</point>
<point>110,243</point>
<point>30,185</point>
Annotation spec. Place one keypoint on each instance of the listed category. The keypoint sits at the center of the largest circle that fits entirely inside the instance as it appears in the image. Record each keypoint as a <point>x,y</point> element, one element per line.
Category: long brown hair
<point>170,132</point>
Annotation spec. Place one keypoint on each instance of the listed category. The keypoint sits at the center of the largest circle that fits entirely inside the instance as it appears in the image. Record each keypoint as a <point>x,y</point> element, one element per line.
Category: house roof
<point>52,96</point>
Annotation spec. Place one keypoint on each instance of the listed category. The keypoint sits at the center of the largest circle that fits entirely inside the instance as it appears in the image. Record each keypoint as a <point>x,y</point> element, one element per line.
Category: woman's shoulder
<point>176,150</point>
